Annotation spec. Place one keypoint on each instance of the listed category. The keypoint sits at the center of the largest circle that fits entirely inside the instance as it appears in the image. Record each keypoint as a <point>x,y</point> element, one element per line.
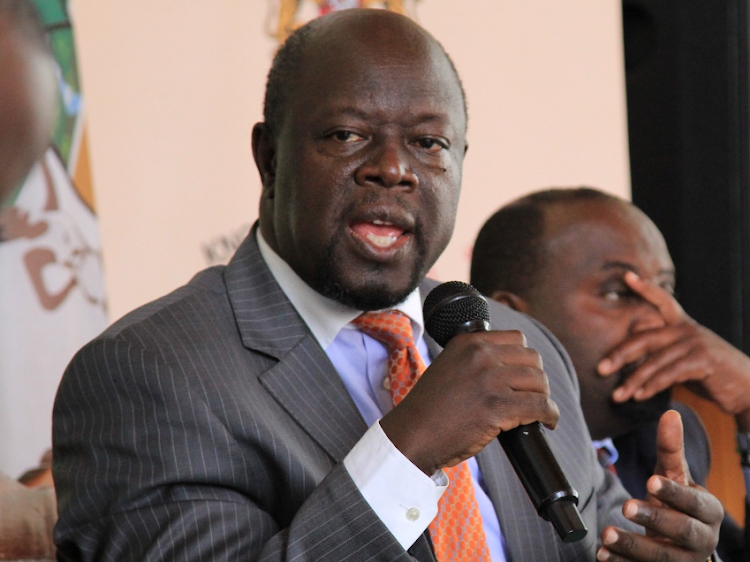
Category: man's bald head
<point>332,32</point>
<point>509,251</point>
<point>27,93</point>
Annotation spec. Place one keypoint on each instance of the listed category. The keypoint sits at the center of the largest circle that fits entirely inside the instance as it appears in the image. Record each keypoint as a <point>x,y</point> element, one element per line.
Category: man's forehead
<point>378,70</point>
<point>601,230</point>
<point>566,219</point>
<point>358,23</point>
<point>370,42</point>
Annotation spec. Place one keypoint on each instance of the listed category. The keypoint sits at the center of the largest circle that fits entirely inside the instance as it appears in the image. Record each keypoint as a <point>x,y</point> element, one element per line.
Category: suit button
<point>412,514</point>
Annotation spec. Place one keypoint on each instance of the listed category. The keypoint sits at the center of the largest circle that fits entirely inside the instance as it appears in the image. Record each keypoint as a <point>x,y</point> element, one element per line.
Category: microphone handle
<point>528,450</point>
<point>553,497</point>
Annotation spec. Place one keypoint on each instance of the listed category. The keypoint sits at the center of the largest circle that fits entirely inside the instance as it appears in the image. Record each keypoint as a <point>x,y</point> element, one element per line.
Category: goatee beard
<point>373,296</point>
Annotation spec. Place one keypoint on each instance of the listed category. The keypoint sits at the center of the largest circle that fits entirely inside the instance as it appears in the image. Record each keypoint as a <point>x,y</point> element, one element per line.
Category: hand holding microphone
<point>482,384</point>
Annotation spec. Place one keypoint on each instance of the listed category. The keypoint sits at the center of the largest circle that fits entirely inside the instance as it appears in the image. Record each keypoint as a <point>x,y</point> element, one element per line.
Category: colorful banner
<point>52,297</point>
<point>291,14</point>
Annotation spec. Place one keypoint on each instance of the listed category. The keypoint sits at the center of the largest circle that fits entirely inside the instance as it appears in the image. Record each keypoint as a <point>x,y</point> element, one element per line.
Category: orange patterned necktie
<point>457,532</point>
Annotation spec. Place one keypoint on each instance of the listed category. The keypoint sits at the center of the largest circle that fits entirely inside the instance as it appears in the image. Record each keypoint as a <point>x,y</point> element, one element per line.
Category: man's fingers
<point>622,546</point>
<point>664,301</point>
<point>677,368</point>
<point>691,500</point>
<point>522,378</point>
<point>685,527</point>
<point>638,346</point>
<point>670,452</point>
<point>497,337</point>
<point>679,362</point>
<point>481,384</point>
<point>533,407</point>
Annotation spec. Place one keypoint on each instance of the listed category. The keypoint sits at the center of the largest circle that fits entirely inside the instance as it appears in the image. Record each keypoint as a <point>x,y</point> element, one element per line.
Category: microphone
<point>456,308</point>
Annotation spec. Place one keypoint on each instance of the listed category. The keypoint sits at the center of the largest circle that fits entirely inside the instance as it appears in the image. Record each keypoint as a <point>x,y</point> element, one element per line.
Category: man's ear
<point>510,299</point>
<point>264,153</point>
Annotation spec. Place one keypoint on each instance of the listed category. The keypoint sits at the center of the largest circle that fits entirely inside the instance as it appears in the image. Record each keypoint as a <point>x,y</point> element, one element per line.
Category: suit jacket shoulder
<point>211,425</point>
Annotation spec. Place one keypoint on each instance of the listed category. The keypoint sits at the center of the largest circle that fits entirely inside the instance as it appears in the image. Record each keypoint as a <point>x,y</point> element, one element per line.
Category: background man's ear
<point>510,299</point>
<point>264,153</point>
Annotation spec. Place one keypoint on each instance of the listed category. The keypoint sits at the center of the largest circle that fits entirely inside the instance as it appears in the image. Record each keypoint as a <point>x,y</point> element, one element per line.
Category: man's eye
<point>431,145</point>
<point>619,295</point>
<point>347,136</point>
<point>614,296</point>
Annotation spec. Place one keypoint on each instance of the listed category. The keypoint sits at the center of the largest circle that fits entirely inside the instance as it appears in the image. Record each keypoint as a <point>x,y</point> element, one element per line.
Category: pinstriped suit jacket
<point>210,425</point>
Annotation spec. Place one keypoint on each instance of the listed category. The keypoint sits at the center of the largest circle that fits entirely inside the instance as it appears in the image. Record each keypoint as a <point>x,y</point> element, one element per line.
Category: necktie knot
<point>392,328</point>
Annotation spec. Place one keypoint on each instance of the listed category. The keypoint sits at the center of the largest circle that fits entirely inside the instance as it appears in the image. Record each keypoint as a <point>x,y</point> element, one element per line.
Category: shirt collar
<point>326,317</point>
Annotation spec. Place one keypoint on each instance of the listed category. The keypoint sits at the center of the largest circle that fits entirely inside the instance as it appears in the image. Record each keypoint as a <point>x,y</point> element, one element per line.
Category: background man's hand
<point>481,384</point>
<point>682,351</point>
<point>681,518</point>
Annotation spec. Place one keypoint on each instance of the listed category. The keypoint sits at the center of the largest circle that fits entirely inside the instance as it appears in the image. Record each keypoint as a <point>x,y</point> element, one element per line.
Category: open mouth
<point>382,234</point>
<point>379,233</point>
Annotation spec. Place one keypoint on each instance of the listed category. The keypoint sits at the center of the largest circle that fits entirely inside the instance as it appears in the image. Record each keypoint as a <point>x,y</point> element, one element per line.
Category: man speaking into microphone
<point>290,407</point>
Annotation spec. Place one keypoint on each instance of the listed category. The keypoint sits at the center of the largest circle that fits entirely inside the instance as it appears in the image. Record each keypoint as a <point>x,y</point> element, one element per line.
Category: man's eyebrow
<point>618,265</point>
<point>629,266</point>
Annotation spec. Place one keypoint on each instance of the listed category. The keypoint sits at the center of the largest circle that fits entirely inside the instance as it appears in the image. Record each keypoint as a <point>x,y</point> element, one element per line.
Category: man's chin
<point>371,297</point>
<point>644,411</point>
<point>376,289</point>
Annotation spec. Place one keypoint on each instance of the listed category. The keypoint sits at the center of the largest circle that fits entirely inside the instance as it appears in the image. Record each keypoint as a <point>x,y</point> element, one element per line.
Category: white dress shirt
<point>402,496</point>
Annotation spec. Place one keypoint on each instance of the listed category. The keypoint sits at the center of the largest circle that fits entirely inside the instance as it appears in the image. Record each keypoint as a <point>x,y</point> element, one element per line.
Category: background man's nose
<point>647,317</point>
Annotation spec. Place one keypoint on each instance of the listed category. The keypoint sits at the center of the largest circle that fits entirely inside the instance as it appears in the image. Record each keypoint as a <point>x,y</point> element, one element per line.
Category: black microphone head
<point>450,306</point>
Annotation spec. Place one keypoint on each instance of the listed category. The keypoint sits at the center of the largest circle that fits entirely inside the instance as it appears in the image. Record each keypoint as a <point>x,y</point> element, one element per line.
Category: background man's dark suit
<point>217,430</point>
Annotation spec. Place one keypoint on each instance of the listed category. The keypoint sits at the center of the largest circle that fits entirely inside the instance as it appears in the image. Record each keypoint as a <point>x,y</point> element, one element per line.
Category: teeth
<point>381,241</point>
<point>382,223</point>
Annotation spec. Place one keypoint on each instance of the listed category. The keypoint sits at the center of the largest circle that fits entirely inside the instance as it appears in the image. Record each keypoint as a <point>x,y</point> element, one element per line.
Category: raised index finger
<point>670,451</point>
<point>665,303</point>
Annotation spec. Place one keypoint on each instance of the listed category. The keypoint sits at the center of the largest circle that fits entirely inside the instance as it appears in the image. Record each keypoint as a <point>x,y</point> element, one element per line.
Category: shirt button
<point>412,514</point>
<point>387,383</point>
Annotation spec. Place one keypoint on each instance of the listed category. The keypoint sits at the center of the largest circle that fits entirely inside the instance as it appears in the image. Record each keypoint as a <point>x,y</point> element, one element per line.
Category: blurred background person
<point>52,299</point>
<point>28,99</point>
<point>28,94</point>
<point>596,271</point>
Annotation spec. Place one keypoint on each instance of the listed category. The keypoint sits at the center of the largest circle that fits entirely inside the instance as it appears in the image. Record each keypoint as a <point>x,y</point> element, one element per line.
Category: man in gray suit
<point>244,416</point>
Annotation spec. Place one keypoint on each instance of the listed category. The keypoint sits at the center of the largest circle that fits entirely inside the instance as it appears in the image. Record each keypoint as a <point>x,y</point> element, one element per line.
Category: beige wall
<point>174,87</point>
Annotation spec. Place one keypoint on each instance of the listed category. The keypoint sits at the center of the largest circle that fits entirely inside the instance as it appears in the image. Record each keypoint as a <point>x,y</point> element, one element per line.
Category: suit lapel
<point>303,381</point>
<point>306,385</point>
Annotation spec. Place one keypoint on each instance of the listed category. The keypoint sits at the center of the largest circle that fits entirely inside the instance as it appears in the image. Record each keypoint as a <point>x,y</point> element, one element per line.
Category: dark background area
<point>687,95</point>
<point>688,118</point>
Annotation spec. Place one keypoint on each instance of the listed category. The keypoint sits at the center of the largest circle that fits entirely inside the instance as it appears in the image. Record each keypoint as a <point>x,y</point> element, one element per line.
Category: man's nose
<point>388,166</point>
<point>646,317</point>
